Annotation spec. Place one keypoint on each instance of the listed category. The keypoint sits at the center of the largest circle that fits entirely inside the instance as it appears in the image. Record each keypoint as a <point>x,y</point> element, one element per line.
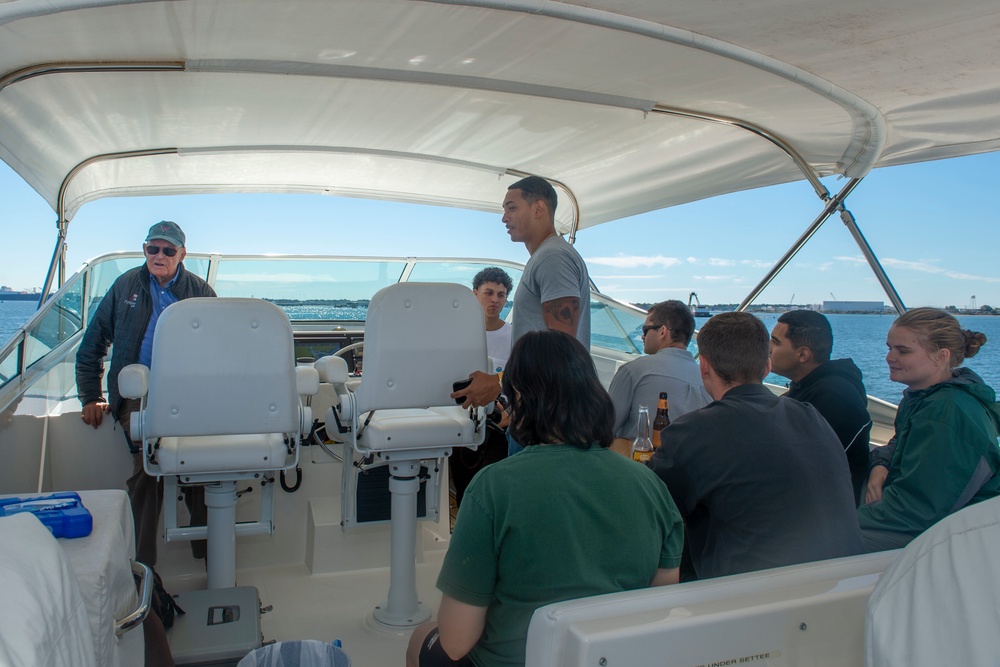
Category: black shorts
<point>432,655</point>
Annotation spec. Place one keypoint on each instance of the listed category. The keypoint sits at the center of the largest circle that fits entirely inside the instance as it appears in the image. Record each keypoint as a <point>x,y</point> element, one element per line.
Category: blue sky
<point>933,225</point>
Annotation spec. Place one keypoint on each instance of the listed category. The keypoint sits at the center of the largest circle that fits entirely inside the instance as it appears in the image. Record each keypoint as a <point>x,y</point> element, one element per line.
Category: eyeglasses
<point>155,250</point>
<point>646,328</point>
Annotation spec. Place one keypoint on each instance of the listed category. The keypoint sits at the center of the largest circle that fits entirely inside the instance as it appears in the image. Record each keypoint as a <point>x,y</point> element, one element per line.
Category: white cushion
<point>43,619</point>
<point>414,429</point>
<point>101,562</point>
<point>937,604</point>
<point>222,453</point>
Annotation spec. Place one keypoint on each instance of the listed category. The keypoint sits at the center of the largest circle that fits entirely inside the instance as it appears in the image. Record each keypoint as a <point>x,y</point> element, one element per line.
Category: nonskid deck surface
<point>331,606</point>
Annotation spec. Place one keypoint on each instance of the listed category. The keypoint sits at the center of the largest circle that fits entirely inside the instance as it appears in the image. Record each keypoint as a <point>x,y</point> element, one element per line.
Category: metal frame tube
<point>834,204</point>
<point>828,210</point>
<point>403,608</point>
<point>876,266</point>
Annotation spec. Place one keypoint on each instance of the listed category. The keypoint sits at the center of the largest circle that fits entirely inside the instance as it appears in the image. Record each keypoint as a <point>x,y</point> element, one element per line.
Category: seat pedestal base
<point>221,501</point>
<point>220,626</point>
<point>402,609</point>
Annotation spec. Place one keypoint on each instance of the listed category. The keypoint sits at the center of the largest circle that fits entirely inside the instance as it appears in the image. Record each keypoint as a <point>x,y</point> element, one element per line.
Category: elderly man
<point>126,319</point>
<point>761,481</point>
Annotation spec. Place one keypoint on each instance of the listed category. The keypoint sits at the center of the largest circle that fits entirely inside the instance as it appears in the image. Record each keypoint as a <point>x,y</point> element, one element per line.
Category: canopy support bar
<point>834,204</point>
<point>59,254</point>
<point>58,260</point>
<point>780,143</point>
<point>876,266</point>
<point>831,205</point>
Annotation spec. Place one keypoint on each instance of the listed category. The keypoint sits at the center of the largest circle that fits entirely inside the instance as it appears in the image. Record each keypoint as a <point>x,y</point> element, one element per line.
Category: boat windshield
<point>319,294</point>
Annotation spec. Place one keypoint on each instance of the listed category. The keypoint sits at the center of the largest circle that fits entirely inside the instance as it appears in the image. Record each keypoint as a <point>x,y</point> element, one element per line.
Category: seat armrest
<point>306,381</point>
<point>305,421</point>
<point>333,369</point>
<point>133,381</point>
<point>134,427</point>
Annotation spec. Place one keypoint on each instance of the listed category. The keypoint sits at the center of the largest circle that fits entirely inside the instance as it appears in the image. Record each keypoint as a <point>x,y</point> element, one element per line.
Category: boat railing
<point>45,335</point>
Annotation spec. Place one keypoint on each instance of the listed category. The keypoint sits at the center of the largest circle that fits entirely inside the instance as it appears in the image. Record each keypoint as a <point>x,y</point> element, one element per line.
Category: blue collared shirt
<point>162,297</point>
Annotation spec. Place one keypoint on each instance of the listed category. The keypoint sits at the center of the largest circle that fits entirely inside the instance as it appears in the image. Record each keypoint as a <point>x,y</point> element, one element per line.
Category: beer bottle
<point>642,446</point>
<point>662,419</point>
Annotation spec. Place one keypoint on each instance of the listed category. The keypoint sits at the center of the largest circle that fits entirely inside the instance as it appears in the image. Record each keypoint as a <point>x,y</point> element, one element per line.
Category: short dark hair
<point>492,274</point>
<point>534,188</point>
<point>737,345</point>
<point>677,316</point>
<point>554,392</point>
<point>807,328</point>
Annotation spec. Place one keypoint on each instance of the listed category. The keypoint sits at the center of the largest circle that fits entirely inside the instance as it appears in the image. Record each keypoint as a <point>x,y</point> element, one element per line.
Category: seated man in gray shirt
<point>667,367</point>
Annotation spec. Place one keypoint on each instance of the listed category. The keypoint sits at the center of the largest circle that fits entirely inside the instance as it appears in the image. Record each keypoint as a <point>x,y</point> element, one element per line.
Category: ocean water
<point>860,337</point>
<point>13,314</point>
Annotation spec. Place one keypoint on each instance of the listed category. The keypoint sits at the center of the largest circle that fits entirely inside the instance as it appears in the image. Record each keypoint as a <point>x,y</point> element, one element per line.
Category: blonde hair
<point>938,330</point>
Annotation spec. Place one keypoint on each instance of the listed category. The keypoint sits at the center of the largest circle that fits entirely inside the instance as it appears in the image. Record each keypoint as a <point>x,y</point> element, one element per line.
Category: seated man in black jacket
<point>761,481</point>
<point>801,343</point>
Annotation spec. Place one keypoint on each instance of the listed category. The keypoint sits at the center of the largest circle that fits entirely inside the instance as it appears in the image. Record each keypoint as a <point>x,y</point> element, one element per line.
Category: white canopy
<point>449,102</point>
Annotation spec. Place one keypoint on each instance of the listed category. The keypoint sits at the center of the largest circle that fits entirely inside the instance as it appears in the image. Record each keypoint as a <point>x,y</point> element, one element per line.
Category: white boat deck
<point>330,606</point>
<point>338,606</point>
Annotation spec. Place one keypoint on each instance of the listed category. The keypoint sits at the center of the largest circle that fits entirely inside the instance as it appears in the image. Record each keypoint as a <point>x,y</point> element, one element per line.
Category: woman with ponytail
<point>945,453</point>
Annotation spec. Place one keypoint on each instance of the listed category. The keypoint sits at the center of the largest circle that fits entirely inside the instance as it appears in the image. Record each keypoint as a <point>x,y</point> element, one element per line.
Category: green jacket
<point>947,455</point>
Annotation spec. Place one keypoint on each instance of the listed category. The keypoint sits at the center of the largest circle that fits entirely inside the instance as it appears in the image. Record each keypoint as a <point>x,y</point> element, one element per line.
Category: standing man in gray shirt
<point>554,290</point>
<point>667,367</point>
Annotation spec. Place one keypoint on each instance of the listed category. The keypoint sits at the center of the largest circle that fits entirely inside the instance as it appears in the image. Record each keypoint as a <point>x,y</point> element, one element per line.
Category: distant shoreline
<point>19,296</point>
<point>771,309</point>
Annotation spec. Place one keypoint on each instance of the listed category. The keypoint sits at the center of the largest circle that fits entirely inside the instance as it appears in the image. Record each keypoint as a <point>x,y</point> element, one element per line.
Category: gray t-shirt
<point>555,271</point>
<point>639,382</point>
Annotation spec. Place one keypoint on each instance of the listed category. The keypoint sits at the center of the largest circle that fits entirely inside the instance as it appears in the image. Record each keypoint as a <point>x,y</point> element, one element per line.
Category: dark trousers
<point>146,496</point>
<point>463,464</point>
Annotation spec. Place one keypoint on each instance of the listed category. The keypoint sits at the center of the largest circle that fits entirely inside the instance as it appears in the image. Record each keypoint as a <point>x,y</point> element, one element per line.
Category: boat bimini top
<point>627,106</point>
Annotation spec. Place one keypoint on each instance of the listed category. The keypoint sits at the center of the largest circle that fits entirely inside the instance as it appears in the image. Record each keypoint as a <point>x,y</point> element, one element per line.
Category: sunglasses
<point>155,250</point>
<point>646,328</point>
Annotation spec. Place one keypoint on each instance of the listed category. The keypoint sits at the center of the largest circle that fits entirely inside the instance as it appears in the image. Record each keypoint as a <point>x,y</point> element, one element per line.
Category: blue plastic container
<point>62,512</point>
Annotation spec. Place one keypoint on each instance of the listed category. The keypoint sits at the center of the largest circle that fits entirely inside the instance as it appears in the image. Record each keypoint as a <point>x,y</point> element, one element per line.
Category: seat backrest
<point>222,366</point>
<point>937,603</point>
<point>419,339</point>
<point>800,614</point>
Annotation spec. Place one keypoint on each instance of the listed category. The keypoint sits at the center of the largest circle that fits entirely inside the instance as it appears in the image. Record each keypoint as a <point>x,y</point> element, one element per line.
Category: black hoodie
<point>836,390</point>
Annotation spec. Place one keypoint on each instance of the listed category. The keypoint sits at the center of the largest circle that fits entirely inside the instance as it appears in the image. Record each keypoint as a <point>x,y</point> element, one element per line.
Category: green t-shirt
<point>554,523</point>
